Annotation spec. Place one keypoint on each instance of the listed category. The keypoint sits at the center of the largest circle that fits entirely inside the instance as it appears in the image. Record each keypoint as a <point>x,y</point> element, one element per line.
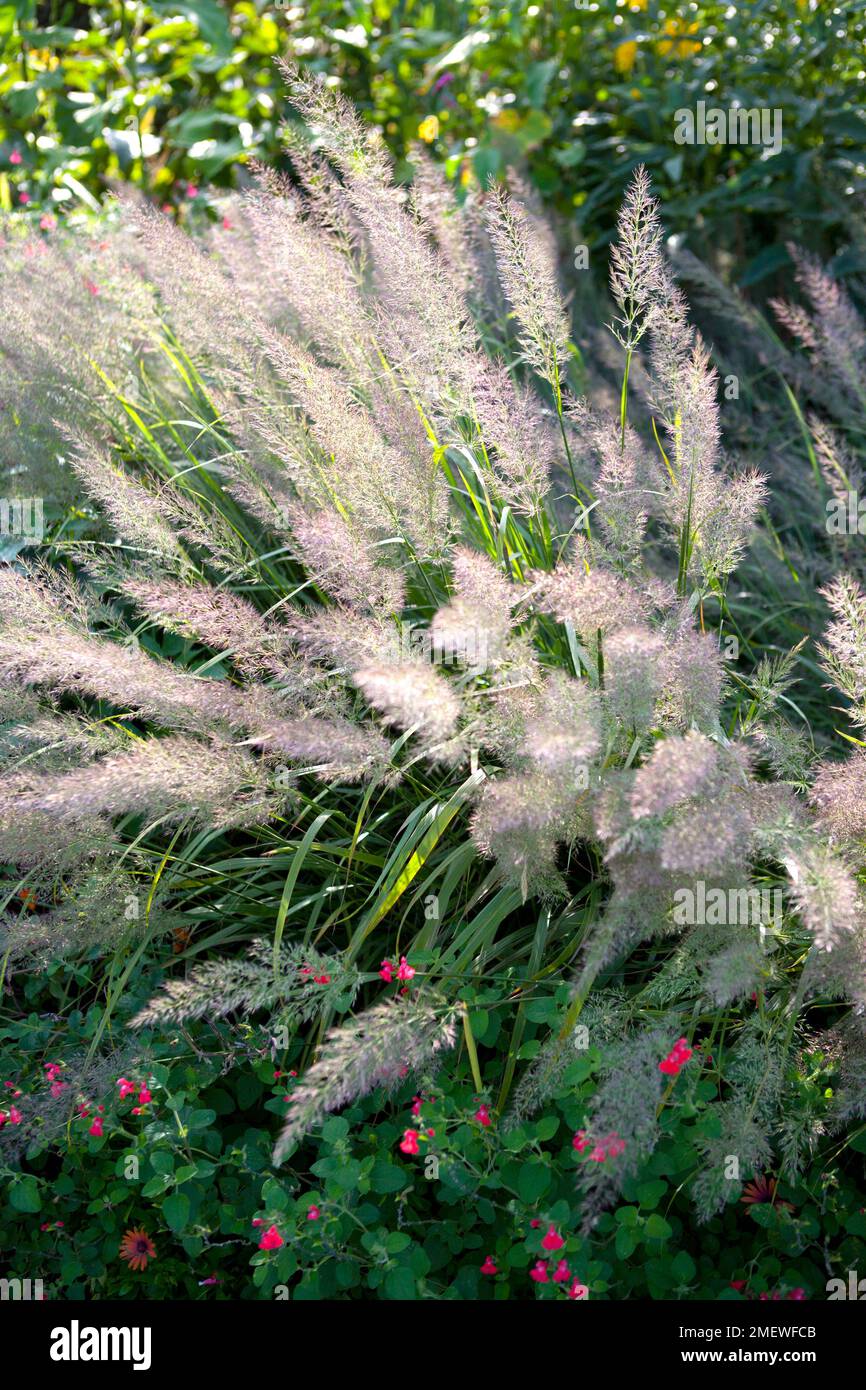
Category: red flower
<point>539,1272</point>
<point>553,1240</point>
<point>482,1115</point>
<point>137,1248</point>
<point>409,1142</point>
<point>386,972</point>
<point>271,1240</point>
<point>404,971</point>
<point>562,1273</point>
<point>96,1128</point>
<point>489,1266</point>
<point>313,1214</point>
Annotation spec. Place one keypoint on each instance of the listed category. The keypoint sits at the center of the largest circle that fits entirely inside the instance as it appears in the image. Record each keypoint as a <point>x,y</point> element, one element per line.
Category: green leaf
<point>657,1228</point>
<point>24,1195</point>
<point>175,1209</point>
<point>533,1181</point>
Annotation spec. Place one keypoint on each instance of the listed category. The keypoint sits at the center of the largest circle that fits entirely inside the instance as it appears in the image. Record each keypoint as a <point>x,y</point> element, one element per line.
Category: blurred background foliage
<point>175,95</point>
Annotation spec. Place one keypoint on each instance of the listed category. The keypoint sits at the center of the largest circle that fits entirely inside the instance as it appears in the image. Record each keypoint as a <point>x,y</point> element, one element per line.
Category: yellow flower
<point>683,47</point>
<point>624,55</point>
<point>638,4</point>
<point>429,129</point>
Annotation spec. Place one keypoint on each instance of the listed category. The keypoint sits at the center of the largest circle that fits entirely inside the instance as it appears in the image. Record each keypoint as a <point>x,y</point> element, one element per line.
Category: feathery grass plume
<point>174,778</point>
<point>623,1109</point>
<point>423,322</point>
<point>379,1047</point>
<point>634,660</point>
<point>520,821</point>
<point>359,470</point>
<point>518,436</point>
<point>528,273</point>
<point>41,646</point>
<point>823,891</point>
<point>741,1135</point>
<point>216,617</point>
<point>96,908</point>
<point>843,651</point>
<point>839,796</point>
<point>342,564</point>
<point>638,272</point>
<point>303,986</point>
<point>88,1078</point>
<point>335,749</point>
<point>133,509</point>
<point>477,627</point>
<point>412,696</point>
<point>833,333</point>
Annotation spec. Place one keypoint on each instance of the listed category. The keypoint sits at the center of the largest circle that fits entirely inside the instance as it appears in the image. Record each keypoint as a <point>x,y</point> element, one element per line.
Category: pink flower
<point>404,971</point>
<point>615,1145</point>
<point>489,1266</point>
<point>409,1142</point>
<point>15,157</point>
<point>52,1070</point>
<point>669,1067</point>
<point>580,1141</point>
<point>416,1105</point>
<point>15,1116</point>
<point>96,1128</point>
<point>535,1223</point>
<point>323,979</point>
<point>205,1283</point>
<point>47,223</point>
<point>599,1154</point>
<point>539,1272</point>
<point>92,288</point>
<point>24,198</point>
<point>578,1290</point>
<point>144,1096</point>
<point>313,1214</point>
<point>124,1087</point>
<point>227,224</point>
<point>257,1221</point>
<point>562,1273</point>
<point>553,1240</point>
<point>57,1088</point>
<point>271,1240</point>
<point>386,972</point>
<point>797,1295</point>
<point>482,1115</point>
<point>191,190</point>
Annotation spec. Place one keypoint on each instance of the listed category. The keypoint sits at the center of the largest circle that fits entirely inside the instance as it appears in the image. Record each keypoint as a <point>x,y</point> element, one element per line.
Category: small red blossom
<point>404,971</point>
<point>489,1266</point>
<point>323,979</point>
<point>539,1272</point>
<point>96,1128</point>
<point>15,157</point>
<point>553,1240</point>
<point>409,1142</point>
<point>386,972</point>
<point>482,1115</point>
<point>144,1096</point>
<point>271,1240</point>
<point>562,1273</point>
<point>313,1214</point>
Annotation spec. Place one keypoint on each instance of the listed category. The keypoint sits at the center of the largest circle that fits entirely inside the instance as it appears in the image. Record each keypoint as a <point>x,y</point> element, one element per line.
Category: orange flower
<point>678,43</point>
<point>137,1247</point>
<point>762,1190</point>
